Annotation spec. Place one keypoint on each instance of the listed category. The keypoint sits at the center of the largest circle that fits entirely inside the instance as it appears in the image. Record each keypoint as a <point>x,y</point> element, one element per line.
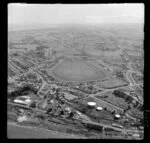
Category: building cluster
<point>26,99</point>
<point>49,104</point>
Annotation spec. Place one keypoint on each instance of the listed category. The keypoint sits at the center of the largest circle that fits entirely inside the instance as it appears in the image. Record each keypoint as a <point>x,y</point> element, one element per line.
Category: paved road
<point>130,78</point>
<point>107,90</point>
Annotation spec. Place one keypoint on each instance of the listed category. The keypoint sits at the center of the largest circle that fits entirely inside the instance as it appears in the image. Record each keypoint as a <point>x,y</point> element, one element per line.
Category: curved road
<point>129,75</point>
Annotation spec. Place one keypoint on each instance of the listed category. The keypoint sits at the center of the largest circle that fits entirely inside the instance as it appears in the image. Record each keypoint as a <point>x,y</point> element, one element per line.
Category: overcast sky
<point>80,14</point>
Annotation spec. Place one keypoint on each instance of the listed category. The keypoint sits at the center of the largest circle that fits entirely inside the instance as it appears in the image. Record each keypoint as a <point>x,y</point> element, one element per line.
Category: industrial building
<point>25,100</point>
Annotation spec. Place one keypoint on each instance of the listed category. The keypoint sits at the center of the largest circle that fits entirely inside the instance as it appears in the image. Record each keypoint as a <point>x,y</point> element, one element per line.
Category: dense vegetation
<point>120,94</point>
<point>26,89</point>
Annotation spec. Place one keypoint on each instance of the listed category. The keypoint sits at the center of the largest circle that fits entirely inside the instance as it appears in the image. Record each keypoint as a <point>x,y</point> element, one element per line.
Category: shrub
<point>128,99</point>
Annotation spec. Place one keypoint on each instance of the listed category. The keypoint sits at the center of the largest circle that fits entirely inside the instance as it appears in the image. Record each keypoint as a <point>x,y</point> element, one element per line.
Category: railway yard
<point>55,85</point>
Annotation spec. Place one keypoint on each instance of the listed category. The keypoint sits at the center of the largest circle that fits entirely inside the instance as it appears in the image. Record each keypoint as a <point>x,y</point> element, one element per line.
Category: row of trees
<point>120,94</point>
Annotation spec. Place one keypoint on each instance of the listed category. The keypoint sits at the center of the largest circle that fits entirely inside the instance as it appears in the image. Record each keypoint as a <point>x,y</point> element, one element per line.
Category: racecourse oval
<point>77,70</point>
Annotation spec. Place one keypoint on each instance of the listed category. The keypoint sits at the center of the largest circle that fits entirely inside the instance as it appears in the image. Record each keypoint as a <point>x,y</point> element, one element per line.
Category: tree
<point>49,110</point>
<point>119,74</point>
<point>129,107</point>
<point>83,109</point>
<point>105,109</point>
<point>113,112</point>
<point>140,108</point>
<point>142,121</point>
<point>128,99</point>
<point>71,114</point>
<point>118,93</point>
<point>41,116</point>
<point>62,112</point>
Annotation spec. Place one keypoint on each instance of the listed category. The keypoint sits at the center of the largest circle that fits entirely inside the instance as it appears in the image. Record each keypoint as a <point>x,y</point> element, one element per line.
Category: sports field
<point>77,70</point>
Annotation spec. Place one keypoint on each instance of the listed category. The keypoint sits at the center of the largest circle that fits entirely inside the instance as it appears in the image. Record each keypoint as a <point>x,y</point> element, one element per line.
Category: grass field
<point>112,83</point>
<point>110,98</point>
<point>19,132</point>
<point>77,70</point>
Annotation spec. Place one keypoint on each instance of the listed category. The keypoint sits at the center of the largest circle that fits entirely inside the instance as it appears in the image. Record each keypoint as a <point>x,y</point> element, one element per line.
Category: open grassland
<point>112,83</point>
<point>77,71</point>
<point>33,133</point>
<point>110,98</point>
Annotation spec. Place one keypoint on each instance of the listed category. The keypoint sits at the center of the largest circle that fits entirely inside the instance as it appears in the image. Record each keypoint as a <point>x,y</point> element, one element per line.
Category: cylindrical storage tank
<point>117,116</point>
<point>91,105</point>
<point>99,108</point>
